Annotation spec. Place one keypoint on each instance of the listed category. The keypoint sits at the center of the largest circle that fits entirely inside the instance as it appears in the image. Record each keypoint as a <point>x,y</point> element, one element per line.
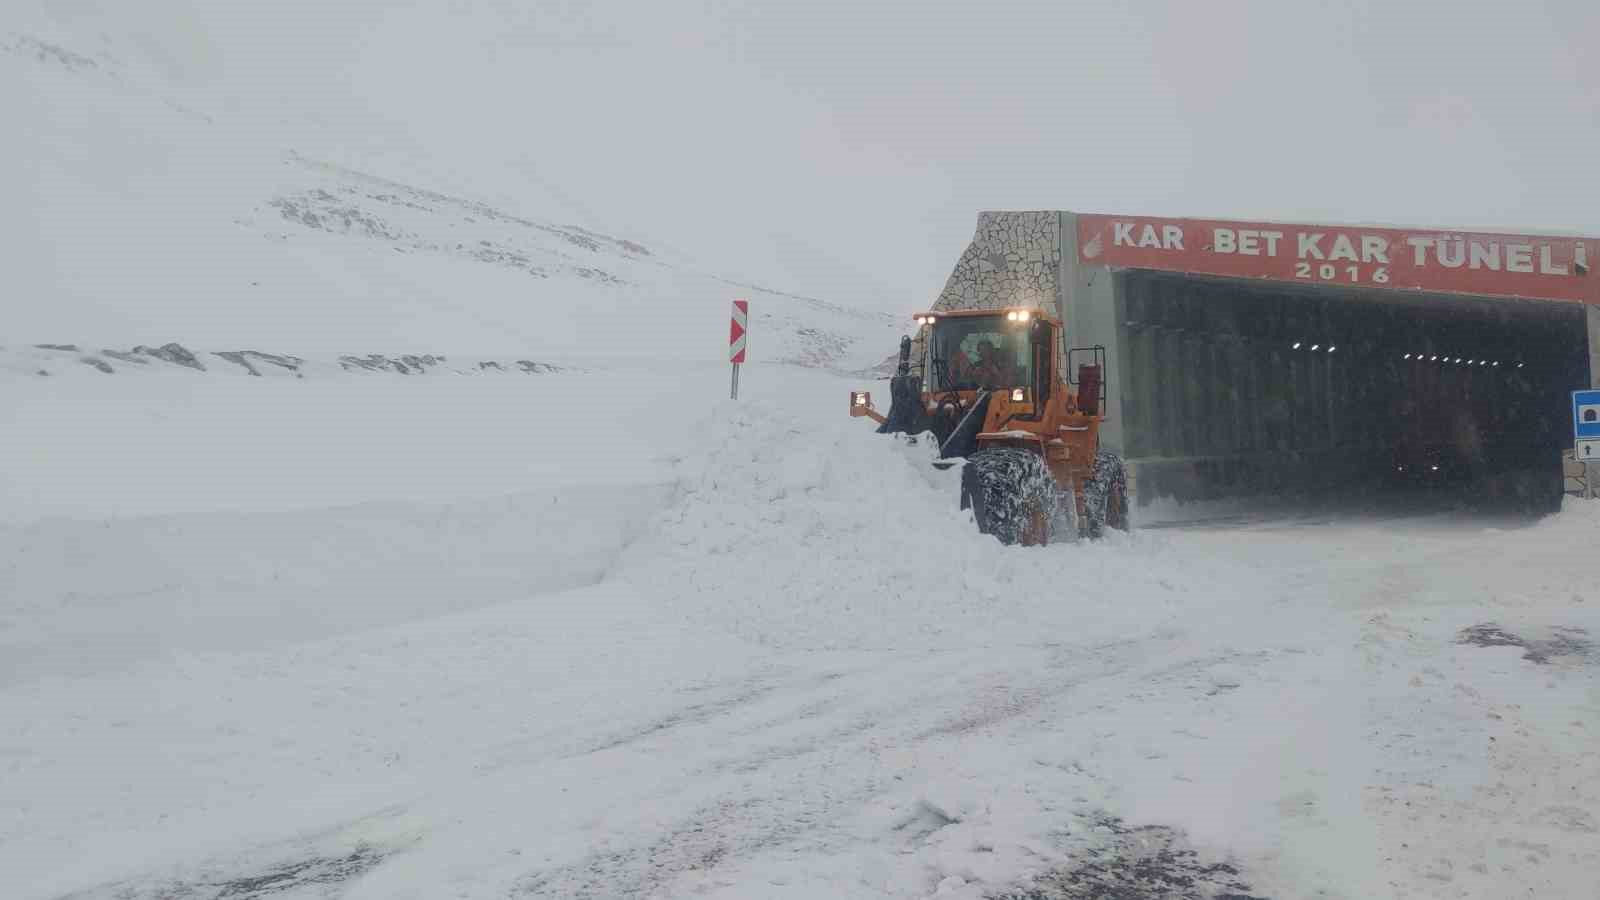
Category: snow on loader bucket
<point>991,392</point>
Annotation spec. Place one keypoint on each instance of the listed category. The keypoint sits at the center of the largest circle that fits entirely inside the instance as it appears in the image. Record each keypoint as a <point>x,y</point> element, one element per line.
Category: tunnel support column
<point>1594,345</point>
<point>1590,470</point>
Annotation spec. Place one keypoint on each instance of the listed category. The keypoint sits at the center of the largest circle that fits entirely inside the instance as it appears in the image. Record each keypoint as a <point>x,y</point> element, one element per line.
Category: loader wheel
<point>1105,496</point>
<point>1011,493</point>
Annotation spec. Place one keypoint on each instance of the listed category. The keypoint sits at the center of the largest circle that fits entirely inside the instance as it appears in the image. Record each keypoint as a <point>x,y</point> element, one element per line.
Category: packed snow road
<point>771,658</point>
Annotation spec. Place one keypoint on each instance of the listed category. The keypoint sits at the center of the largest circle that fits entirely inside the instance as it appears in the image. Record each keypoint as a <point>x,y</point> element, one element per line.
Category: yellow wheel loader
<point>992,392</point>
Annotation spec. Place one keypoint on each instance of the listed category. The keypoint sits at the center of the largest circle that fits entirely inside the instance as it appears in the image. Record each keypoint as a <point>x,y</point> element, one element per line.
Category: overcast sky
<point>844,148</point>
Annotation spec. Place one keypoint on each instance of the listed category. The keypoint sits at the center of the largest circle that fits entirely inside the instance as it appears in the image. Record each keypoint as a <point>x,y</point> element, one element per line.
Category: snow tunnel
<point>1280,360</point>
<point>1232,388</point>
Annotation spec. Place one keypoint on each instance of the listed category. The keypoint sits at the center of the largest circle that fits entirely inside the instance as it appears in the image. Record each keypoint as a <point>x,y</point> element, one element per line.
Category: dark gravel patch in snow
<point>1563,642</point>
<point>1138,863</point>
<point>315,876</point>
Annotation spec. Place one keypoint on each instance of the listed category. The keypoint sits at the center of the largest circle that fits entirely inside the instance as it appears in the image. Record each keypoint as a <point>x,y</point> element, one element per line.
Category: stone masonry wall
<point>1013,260</point>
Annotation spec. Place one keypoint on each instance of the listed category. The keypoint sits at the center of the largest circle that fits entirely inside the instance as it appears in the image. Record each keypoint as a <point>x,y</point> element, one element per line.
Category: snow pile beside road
<point>798,533</point>
<point>97,597</point>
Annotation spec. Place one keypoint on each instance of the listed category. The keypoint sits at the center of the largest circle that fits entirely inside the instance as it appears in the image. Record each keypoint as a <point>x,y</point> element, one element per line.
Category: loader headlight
<point>1018,395</point>
<point>858,398</point>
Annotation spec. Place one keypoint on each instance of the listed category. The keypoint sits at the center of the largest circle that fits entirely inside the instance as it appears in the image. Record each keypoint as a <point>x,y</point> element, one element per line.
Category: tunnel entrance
<point>1237,388</point>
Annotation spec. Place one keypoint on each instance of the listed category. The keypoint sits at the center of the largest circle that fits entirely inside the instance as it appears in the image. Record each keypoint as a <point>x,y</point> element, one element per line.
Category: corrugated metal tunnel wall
<point>1217,401</point>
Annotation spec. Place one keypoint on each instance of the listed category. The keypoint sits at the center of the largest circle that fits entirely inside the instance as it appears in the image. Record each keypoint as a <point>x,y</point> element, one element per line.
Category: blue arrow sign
<point>1586,414</point>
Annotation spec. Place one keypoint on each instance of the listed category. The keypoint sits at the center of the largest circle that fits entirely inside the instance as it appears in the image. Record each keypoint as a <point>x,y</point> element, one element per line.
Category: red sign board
<point>1500,265</point>
<point>738,330</point>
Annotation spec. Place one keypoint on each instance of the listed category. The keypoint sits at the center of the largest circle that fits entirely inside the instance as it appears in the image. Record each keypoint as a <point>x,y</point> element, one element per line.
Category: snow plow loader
<point>994,392</point>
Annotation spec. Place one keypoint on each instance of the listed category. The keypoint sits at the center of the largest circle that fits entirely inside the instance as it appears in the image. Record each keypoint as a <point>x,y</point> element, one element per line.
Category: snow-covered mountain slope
<point>144,208</point>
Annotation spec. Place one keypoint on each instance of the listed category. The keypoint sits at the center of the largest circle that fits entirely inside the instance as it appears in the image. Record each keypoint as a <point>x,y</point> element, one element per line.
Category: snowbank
<point>698,648</point>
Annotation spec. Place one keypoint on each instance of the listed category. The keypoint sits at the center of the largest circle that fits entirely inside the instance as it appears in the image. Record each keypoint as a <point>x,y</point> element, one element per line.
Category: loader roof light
<point>1011,316</point>
<point>1023,315</point>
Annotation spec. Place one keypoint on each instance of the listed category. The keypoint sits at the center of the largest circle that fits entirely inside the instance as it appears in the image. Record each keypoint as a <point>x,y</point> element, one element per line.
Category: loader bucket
<point>905,406</point>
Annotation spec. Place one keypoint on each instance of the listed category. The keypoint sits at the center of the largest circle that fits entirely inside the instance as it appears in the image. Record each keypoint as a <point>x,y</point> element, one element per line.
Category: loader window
<point>973,353</point>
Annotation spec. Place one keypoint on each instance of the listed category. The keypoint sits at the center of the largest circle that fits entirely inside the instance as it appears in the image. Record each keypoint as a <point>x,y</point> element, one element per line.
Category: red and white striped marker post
<point>736,340</point>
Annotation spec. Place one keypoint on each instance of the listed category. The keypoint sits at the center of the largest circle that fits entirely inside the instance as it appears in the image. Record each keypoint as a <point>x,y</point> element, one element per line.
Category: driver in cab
<point>990,370</point>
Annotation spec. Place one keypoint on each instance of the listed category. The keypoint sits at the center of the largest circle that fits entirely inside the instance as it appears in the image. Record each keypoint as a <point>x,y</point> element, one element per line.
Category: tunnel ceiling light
<point>1297,345</point>
<point>1316,346</point>
<point>1408,356</point>
<point>1332,348</point>
<point>1432,359</point>
<point>1519,365</point>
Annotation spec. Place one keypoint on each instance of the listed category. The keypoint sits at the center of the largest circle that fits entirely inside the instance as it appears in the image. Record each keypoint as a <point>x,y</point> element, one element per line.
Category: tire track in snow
<point>794,788</point>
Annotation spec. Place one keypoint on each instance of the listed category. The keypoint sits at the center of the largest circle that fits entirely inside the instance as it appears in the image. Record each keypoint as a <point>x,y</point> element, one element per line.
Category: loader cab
<point>989,350</point>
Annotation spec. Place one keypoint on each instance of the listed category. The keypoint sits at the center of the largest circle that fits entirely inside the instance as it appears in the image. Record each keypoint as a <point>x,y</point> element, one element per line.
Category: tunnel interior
<point>1236,388</point>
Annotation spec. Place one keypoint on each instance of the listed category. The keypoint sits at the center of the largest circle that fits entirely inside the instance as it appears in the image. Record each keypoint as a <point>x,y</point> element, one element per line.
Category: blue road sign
<point>1586,426</point>
<point>1586,415</point>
